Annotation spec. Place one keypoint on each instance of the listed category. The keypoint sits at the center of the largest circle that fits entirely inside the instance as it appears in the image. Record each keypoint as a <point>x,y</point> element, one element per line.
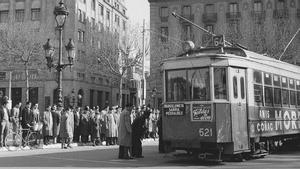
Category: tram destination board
<point>174,109</point>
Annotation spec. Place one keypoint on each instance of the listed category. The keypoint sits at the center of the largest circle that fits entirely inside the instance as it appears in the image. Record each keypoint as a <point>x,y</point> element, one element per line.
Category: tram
<point>222,101</point>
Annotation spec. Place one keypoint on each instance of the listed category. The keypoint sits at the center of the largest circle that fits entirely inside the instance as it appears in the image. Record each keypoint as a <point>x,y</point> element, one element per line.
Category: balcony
<point>258,16</point>
<point>298,13</point>
<point>209,17</point>
<point>164,18</point>
<point>233,16</point>
<point>280,14</point>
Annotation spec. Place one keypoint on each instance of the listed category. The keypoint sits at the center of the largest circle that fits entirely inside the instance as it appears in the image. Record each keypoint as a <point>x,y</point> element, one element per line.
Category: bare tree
<point>21,44</point>
<point>117,55</point>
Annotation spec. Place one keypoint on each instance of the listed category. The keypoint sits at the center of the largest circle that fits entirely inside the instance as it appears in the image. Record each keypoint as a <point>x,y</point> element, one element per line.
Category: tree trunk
<point>120,91</point>
<point>27,82</point>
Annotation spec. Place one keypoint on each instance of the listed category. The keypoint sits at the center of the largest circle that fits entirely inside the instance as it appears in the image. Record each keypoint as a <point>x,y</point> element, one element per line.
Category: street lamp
<point>61,13</point>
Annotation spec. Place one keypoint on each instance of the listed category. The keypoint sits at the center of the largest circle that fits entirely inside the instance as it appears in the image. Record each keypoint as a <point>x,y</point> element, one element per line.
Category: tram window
<point>291,84</point>
<point>257,76</point>
<point>235,89</point>
<point>298,86</point>
<point>199,84</point>
<point>242,87</point>
<point>285,97</point>
<point>284,82</point>
<point>220,83</point>
<point>258,94</point>
<point>277,96</point>
<point>298,98</point>
<point>268,79</point>
<point>176,85</point>
<point>276,80</point>
<point>293,97</point>
<point>269,96</point>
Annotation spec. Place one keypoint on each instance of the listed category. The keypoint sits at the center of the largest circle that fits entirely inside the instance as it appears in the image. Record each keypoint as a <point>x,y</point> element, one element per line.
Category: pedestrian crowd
<point>110,126</point>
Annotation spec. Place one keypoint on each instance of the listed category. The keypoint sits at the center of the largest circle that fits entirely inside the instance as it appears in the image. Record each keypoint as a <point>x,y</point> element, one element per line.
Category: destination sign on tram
<point>174,109</point>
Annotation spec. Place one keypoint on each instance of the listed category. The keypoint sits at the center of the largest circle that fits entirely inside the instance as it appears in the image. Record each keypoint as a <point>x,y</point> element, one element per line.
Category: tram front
<point>198,111</point>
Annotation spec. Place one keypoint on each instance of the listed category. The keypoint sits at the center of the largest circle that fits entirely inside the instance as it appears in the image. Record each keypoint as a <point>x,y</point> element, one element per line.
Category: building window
<point>108,15</point>
<point>233,8</point>
<point>164,12</point>
<point>3,16</point>
<point>101,9</point>
<point>164,34</point>
<point>124,12</point>
<point>20,15</point>
<point>124,25</point>
<point>187,32</point>
<point>209,8</point>
<point>257,7</point>
<point>117,19</point>
<point>35,14</point>
<point>81,35</point>
<point>280,5</point>
<point>186,11</point>
<point>94,4</point>
<point>79,13</point>
<point>93,23</point>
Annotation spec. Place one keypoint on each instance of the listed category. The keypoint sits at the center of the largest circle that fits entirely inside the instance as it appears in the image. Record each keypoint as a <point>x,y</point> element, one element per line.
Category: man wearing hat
<point>138,130</point>
<point>4,119</point>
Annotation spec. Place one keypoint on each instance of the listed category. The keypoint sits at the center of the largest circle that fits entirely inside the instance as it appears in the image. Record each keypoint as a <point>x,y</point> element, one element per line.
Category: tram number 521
<point>205,132</point>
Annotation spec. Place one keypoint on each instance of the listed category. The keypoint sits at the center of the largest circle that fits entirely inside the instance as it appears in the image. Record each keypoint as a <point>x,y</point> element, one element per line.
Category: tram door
<point>238,108</point>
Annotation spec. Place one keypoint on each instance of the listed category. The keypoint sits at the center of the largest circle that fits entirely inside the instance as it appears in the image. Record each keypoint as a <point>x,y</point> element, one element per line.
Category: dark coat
<point>56,122</point>
<point>84,124</point>
<point>26,118</point>
<point>139,127</point>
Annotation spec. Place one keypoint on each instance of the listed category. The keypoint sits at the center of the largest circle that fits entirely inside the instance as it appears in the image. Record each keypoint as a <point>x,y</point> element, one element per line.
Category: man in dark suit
<point>138,130</point>
<point>26,119</point>
<point>4,119</point>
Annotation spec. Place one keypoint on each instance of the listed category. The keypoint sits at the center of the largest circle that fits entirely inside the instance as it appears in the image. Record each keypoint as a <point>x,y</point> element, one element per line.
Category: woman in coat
<point>84,125</point>
<point>56,113</point>
<point>110,127</point>
<point>47,125</point>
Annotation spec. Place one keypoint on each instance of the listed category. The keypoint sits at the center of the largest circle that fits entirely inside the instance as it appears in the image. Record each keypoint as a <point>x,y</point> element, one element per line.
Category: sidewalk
<point>55,148</point>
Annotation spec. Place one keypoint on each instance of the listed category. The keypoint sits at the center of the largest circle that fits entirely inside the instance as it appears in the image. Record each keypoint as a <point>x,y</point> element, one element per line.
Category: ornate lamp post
<point>61,14</point>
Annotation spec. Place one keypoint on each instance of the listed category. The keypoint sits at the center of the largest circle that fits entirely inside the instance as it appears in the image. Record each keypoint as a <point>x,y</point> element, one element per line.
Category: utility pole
<point>143,64</point>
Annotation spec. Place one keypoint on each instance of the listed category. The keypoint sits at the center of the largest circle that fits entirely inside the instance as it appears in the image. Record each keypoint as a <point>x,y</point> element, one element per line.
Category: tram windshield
<point>188,84</point>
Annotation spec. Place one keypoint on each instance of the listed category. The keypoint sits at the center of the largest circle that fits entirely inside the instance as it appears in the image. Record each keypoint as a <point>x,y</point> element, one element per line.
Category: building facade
<point>264,26</point>
<point>86,83</point>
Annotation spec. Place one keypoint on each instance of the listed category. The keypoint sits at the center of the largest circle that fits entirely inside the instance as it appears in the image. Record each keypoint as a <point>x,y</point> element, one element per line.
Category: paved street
<point>106,157</point>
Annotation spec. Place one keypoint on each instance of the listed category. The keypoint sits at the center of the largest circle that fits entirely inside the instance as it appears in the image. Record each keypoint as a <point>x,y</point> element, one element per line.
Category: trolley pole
<point>143,64</point>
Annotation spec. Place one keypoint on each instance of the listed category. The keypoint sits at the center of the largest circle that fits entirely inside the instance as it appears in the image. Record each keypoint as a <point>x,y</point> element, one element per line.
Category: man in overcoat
<point>125,137</point>
<point>138,130</point>
<point>47,125</point>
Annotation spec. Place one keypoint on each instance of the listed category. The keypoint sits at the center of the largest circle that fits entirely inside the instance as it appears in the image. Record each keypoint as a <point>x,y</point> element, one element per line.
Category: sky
<point>138,10</point>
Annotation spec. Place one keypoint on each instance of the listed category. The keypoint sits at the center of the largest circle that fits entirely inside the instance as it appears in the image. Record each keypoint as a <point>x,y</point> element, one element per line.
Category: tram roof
<point>234,52</point>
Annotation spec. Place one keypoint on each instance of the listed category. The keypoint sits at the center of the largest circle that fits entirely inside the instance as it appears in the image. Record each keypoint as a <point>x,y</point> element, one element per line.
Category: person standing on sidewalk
<point>125,136</point>
<point>138,130</point>
<point>76,124</point>
<point>65,128</point>
<point>4,119</point>
<point>26,119</point>
<point>56,113</point>
<point>15,118</point>
<point>47,125</point>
